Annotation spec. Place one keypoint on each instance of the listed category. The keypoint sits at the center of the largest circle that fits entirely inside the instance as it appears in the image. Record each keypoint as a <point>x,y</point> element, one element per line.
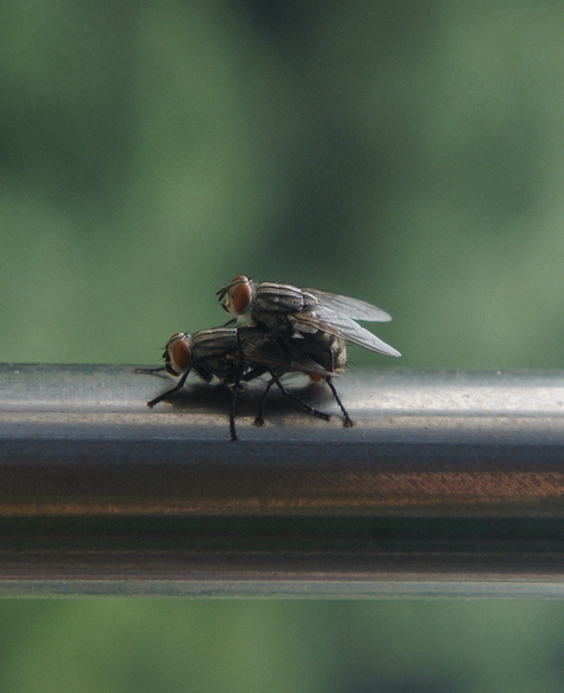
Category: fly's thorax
<point>178,354</point>
<point>278,298</point>
<point>216,353</point>
<point>214,342</point>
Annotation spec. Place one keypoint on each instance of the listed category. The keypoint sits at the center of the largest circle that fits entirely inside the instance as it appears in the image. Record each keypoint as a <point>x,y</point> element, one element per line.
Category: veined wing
<point>327,320</point>
<point>351,307</point>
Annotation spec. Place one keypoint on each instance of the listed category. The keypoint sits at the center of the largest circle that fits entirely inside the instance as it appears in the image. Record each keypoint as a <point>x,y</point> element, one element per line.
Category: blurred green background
<point>407,153</point>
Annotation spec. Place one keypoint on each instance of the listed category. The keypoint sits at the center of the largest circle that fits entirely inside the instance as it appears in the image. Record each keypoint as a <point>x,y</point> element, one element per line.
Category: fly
<point>236,355</point>
<point>285,309</point>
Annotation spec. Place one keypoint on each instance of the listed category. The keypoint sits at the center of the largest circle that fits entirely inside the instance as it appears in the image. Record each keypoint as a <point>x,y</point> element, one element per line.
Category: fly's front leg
<point>167,394</point>
<point>150,371</point>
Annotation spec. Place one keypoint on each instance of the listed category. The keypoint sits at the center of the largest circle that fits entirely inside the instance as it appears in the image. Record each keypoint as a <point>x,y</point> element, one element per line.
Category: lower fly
<point>237,355</point>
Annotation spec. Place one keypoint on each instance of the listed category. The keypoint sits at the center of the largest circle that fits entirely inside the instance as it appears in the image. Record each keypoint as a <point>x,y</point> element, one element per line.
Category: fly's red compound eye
<point>241,296</point>
<point>181,355</point>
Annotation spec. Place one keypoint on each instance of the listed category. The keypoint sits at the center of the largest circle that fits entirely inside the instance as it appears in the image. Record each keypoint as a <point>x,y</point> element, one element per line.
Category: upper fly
<point>285,309</point>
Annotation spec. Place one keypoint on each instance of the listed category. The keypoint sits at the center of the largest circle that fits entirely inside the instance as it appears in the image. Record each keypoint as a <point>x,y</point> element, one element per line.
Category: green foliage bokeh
<point>407,153</point>
<point>145,645</point>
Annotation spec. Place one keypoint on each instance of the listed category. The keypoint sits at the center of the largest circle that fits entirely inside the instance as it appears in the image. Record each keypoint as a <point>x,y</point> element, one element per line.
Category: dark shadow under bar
<point>450,484</point>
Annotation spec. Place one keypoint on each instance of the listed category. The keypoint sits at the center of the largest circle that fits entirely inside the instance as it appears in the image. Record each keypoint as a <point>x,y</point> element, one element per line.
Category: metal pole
<point>451,483</point>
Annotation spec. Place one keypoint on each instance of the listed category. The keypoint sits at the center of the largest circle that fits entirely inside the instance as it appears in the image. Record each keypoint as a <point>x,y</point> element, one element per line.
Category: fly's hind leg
<point>347,421</point>
<point>300,403</point>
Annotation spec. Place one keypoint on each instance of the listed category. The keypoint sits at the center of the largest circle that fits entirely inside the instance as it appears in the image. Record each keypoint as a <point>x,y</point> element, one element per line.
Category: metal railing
<point>451,483</point>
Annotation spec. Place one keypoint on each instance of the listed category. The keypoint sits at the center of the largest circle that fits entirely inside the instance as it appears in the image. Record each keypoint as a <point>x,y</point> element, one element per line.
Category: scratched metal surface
<point>423,443</point>
<point>450,483</point>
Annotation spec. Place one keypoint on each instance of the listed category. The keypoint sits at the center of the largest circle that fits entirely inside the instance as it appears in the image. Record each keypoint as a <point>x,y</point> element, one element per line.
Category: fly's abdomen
<point>330,350</point>
<point>339,349</point>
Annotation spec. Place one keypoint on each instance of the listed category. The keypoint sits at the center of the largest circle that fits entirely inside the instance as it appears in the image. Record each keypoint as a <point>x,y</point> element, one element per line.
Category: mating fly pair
<point>289,329</point>
<point>239,355</point>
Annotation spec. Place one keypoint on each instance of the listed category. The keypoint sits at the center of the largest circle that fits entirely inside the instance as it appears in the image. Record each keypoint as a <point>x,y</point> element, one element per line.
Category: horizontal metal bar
<point>450,483</point>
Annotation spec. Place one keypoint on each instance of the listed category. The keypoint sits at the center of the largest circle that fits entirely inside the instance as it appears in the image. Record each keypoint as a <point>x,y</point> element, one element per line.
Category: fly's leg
<point>259,421</point>
<point>150,371</point>
<point>234,390</point>
<point>251,375</point>
<point>300,403</point>
<point>167,394</point>
<point>235,386</point>
<point>232,429</point>
<point>348,422</point>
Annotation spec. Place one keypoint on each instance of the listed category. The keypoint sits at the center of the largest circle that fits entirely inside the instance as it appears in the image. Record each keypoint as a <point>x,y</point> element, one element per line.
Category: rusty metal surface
<point>448,480</point>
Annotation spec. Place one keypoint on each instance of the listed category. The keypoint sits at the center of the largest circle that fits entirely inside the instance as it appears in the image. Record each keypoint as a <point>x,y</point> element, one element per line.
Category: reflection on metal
<point>450,484</point>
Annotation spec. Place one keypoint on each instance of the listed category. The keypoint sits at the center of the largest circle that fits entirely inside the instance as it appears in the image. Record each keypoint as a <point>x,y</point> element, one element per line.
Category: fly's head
<point>178,354</point>
<point>237,297</point>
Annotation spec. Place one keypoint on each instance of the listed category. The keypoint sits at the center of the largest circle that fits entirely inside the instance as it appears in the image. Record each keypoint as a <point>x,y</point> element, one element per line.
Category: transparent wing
<point>326,320</point>
<point>351,307</point>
